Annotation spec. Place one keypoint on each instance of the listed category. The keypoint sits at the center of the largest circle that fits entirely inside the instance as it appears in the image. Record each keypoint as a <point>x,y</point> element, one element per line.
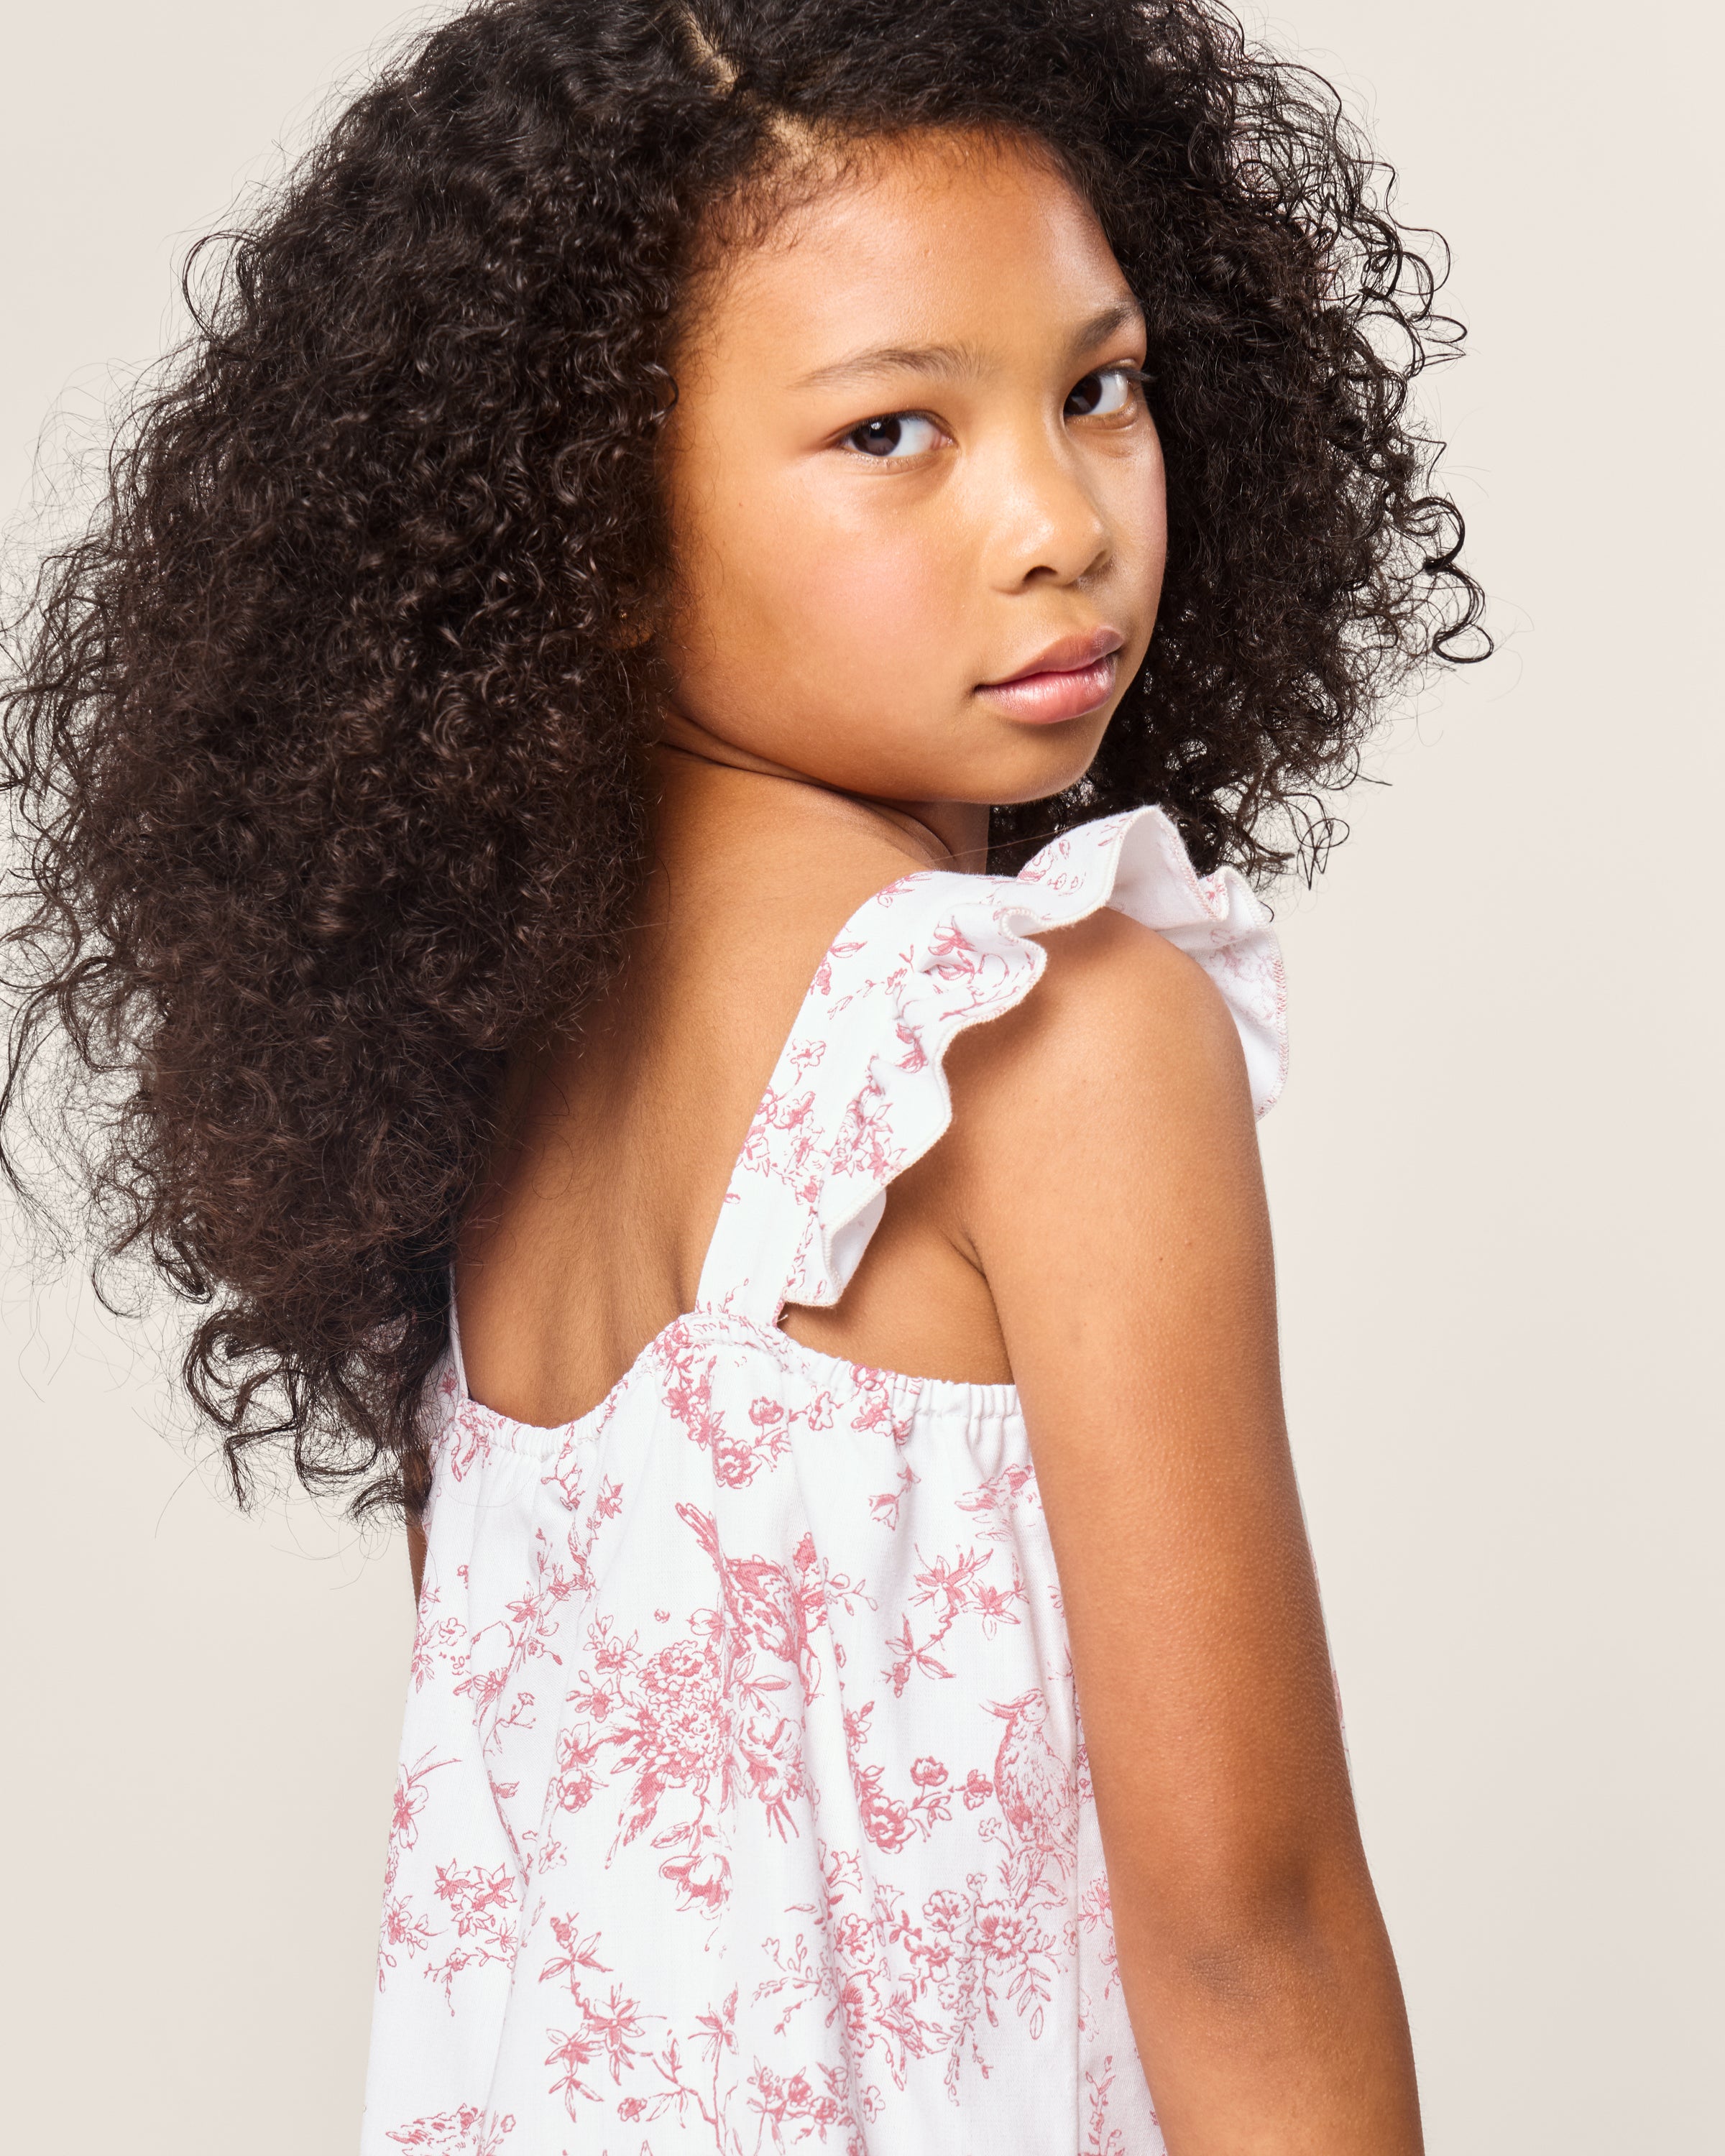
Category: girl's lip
<point>1067,680</point>
<point>1066,654</point>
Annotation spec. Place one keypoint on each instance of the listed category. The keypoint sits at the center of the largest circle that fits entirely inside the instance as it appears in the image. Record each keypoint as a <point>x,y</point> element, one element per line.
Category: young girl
<point>674,954</point>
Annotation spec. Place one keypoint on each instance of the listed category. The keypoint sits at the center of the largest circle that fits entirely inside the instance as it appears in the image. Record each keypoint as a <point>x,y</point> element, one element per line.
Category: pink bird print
<point>760,1597</point>
<point>1038,1796</point>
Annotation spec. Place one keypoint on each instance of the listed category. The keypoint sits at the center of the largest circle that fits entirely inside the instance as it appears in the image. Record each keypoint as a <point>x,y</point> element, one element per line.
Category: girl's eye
<point>900,434</point>
<point>1101,395</point>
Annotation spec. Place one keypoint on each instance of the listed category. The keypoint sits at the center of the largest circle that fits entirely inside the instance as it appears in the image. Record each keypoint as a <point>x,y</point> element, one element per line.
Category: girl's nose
<point>1049,527</point>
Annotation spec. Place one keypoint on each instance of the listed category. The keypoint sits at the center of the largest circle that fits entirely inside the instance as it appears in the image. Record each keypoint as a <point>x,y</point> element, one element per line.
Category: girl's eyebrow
<point>896,358</point>
<point>951,358</point>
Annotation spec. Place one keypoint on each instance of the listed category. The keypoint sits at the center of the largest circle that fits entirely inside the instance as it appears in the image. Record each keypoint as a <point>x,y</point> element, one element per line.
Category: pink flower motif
<point>886,1821</point>
<point>574,1790</point>
<point>702,1881</point>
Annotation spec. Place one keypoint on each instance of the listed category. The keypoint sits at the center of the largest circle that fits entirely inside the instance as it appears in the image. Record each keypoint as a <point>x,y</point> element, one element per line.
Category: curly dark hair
<point>325,750</point>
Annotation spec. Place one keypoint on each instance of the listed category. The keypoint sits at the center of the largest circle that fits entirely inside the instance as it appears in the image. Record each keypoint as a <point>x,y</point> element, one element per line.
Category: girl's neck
<point>713,794</point>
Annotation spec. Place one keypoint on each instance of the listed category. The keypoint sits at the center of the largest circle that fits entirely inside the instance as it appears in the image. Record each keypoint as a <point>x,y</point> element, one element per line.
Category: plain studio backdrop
<point>1491,1177</point>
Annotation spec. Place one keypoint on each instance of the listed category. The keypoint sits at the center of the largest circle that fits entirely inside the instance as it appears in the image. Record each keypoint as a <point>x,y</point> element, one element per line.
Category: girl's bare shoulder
<point>1123,1045</point>
<point>1102,1173</point>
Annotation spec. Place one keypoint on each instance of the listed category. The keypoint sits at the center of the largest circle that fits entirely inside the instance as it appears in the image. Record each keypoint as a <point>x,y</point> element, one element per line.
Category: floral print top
<point>743,1802</point>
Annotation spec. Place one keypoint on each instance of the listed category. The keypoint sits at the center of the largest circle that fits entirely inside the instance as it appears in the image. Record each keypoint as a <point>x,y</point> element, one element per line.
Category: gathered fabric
<point>743,1802</point>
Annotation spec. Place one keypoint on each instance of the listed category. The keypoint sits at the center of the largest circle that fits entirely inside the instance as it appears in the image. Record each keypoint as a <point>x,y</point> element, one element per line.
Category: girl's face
<point>916,499</point>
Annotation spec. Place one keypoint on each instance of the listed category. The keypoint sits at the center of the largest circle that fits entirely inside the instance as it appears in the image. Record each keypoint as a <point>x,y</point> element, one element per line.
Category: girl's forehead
<point>916,238</point>
<point>883,188</point>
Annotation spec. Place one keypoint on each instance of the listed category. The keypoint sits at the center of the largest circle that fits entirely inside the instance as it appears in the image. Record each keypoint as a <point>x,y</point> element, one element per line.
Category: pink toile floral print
<point>744,1804</point>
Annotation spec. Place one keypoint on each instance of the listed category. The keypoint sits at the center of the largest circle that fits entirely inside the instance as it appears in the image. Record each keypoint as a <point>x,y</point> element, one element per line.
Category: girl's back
<point>603,1198</point>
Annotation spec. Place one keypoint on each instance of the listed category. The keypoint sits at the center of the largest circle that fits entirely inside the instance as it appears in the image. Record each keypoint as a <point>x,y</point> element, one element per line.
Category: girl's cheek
<point>857,624</point>
<point>883,590</point>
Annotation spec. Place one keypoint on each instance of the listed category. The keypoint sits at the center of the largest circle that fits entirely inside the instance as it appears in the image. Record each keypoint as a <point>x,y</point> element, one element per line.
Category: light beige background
<point>1494,1183</point>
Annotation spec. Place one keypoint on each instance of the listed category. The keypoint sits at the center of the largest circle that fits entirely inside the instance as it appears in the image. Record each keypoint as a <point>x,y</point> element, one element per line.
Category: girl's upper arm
<point>1116,1207</point>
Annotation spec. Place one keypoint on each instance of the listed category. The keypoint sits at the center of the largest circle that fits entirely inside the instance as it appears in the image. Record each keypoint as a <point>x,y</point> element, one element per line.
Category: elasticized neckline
<point>974,1401</point>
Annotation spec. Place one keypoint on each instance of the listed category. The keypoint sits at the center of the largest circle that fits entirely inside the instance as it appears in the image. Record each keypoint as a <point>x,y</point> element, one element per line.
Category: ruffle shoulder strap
<point>859,1092</point>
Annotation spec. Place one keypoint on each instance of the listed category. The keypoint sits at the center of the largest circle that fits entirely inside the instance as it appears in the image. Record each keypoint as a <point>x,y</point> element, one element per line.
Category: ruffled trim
<point>887,1005</point>
<point>1145,870</point>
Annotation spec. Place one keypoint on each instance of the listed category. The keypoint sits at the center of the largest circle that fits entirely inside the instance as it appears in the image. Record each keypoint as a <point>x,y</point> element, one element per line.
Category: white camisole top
<point>742,1801</point>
